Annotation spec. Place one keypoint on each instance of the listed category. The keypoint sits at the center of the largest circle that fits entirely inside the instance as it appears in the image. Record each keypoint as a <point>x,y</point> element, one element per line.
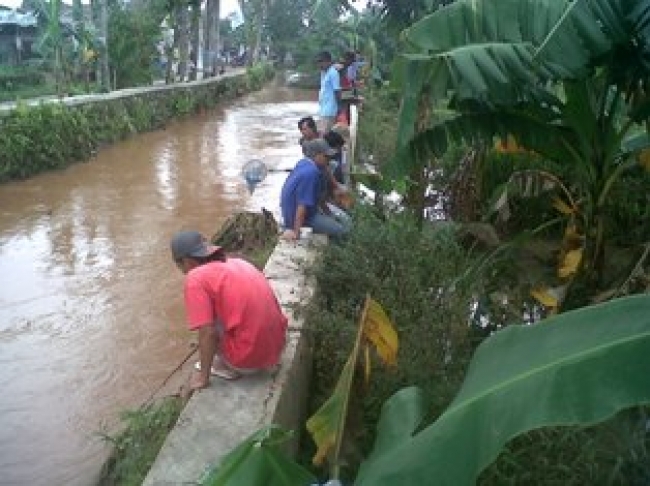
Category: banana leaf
<point>258,462</point>
<point>577,368</point>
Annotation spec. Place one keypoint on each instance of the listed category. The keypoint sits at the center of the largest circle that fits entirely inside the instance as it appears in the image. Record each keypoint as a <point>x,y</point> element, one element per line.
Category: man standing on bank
<point>300,196</point>
<point>229,302</point>
<point>329,96</point>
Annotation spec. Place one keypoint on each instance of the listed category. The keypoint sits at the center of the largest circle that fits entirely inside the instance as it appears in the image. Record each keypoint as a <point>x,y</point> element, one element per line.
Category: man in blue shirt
<point>329,96</point>
<point>301,194</point>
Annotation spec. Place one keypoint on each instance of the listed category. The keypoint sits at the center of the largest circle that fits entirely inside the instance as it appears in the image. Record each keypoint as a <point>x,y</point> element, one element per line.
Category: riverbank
<point>51,134</point>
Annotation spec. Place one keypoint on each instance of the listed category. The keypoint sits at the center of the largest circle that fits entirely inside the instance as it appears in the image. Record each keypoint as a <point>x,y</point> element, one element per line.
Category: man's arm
<point>207,348</point>
<point>301,214</point>
<point>294,233</point>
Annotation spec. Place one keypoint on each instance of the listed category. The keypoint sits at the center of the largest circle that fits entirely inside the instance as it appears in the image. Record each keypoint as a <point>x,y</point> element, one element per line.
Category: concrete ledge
<point>83,99</point>
<point>217,419</point>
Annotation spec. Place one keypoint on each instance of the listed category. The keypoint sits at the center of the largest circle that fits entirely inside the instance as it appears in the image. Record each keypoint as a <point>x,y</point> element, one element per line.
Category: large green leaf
<point>258,462</point>
<point>576,368</point>
<point>503,51</point>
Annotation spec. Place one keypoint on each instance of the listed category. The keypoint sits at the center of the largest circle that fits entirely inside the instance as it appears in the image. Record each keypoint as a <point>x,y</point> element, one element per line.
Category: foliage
<point>576,368</point>
<point>133,34</point>
<point>414,274</point>
<point>377,127</point>
<point>136,448</point>
<point>52,40</point>
<point>15,77</point>
<point>579,108</point>
<point>287,21</point>
<point>615,453</point>
<point>327,425</point>
<point>258,461</point>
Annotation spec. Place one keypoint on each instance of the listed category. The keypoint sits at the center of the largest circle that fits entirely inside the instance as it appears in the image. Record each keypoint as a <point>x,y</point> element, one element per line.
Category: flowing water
<point>91,312</point>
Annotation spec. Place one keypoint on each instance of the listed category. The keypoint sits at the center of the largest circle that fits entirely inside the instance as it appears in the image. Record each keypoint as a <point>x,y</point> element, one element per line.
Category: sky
<point>227,6</point>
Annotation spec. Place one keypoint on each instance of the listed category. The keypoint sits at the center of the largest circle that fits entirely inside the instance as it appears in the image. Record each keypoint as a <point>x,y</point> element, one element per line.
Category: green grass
<point>136,447</point>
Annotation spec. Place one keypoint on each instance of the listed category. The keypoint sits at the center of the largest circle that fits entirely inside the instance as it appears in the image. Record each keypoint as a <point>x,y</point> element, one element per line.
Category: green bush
<point>414,275</point>
<point>135,449</point>
<point>13,78</point>
<point>614,453</point>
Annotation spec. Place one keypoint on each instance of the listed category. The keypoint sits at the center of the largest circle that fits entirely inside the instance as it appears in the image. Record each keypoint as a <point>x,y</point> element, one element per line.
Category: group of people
<point>241,327</point>
<point>314,194</point>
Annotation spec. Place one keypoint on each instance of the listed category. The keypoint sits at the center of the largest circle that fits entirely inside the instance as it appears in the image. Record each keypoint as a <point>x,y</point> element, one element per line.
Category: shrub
<point>413,274</point>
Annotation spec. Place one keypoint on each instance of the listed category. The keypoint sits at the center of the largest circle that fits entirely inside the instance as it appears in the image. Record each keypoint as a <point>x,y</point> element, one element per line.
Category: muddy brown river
<point>91,312</point>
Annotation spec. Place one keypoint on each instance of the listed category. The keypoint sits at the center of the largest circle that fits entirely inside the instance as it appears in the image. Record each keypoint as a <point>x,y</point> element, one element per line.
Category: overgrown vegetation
<point>54,135</point>
<point>414,274</point>
<point>136,447</point>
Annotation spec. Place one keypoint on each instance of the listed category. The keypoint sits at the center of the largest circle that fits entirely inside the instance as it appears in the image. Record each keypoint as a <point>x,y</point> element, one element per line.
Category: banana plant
<point>52,40</point>
<point>577,368</point>
<point>568,79</point>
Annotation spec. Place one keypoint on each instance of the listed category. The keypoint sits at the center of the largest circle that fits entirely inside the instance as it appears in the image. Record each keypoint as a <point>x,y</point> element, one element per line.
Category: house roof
<point>12,17</point>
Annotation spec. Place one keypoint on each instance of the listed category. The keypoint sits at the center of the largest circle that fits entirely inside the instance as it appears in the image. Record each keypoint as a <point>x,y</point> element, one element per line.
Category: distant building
<point>18,31</point>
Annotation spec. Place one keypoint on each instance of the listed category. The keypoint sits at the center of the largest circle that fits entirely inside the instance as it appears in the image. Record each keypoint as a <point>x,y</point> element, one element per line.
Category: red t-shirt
<point>237,294</point>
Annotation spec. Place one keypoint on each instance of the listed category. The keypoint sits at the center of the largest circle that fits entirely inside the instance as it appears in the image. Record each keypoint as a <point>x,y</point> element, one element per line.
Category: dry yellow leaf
<point>570,263</point>
<point>323,450</point>
<point>644,159</point>
<point>563,207</point>
<point>378,329</point>
<point>545,297</point>
<point>366,364</point>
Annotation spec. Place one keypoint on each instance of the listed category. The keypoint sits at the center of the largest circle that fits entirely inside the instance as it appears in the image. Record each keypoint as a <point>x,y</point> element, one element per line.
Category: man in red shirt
<point>240,324</point>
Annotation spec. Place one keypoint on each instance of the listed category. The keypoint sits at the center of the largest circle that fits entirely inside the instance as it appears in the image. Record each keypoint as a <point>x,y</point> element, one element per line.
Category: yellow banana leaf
<point>572,237</point>
<point>366,364</point>
<point>328,422</point>
<point>378,329</point>
<point>326,426</point>
<point>644,159</point>
<point>508,145</point>
<point>550,297</point>
<point>563,207</point>
<point>570,263</point>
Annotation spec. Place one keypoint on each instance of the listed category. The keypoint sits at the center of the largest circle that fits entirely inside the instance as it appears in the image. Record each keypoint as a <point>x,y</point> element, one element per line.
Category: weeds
<point>413,274</point>
<point>136,448</point>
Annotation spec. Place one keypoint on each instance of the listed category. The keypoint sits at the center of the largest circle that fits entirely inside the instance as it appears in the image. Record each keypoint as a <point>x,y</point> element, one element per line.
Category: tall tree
<point>99,10</point>
<point>211,37</point>
<point>195,37</point>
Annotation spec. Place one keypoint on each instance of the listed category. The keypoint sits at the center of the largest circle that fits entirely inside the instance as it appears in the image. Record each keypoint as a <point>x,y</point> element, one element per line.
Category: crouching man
<point>230,303</point>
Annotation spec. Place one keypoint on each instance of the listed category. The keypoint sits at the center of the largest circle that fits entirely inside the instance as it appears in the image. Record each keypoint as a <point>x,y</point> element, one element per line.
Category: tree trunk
<point>261,8</point>
<point>208,38</point>
<point>215,61</point>
<point>195,36</point>
<point>105,79</point>
<point>182,25</point>
<point>78,20</point>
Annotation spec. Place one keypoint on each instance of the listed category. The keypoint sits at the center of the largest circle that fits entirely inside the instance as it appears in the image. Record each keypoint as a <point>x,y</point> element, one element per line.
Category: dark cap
<point>317,146</point>
<point>191,244</point>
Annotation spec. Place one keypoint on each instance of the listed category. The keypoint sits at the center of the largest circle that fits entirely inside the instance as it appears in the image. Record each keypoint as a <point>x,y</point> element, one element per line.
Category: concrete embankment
<point>215,420</point>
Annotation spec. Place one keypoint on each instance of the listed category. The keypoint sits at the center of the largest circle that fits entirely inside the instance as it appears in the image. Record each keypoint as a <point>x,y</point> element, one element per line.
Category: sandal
<point>223,373</point>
